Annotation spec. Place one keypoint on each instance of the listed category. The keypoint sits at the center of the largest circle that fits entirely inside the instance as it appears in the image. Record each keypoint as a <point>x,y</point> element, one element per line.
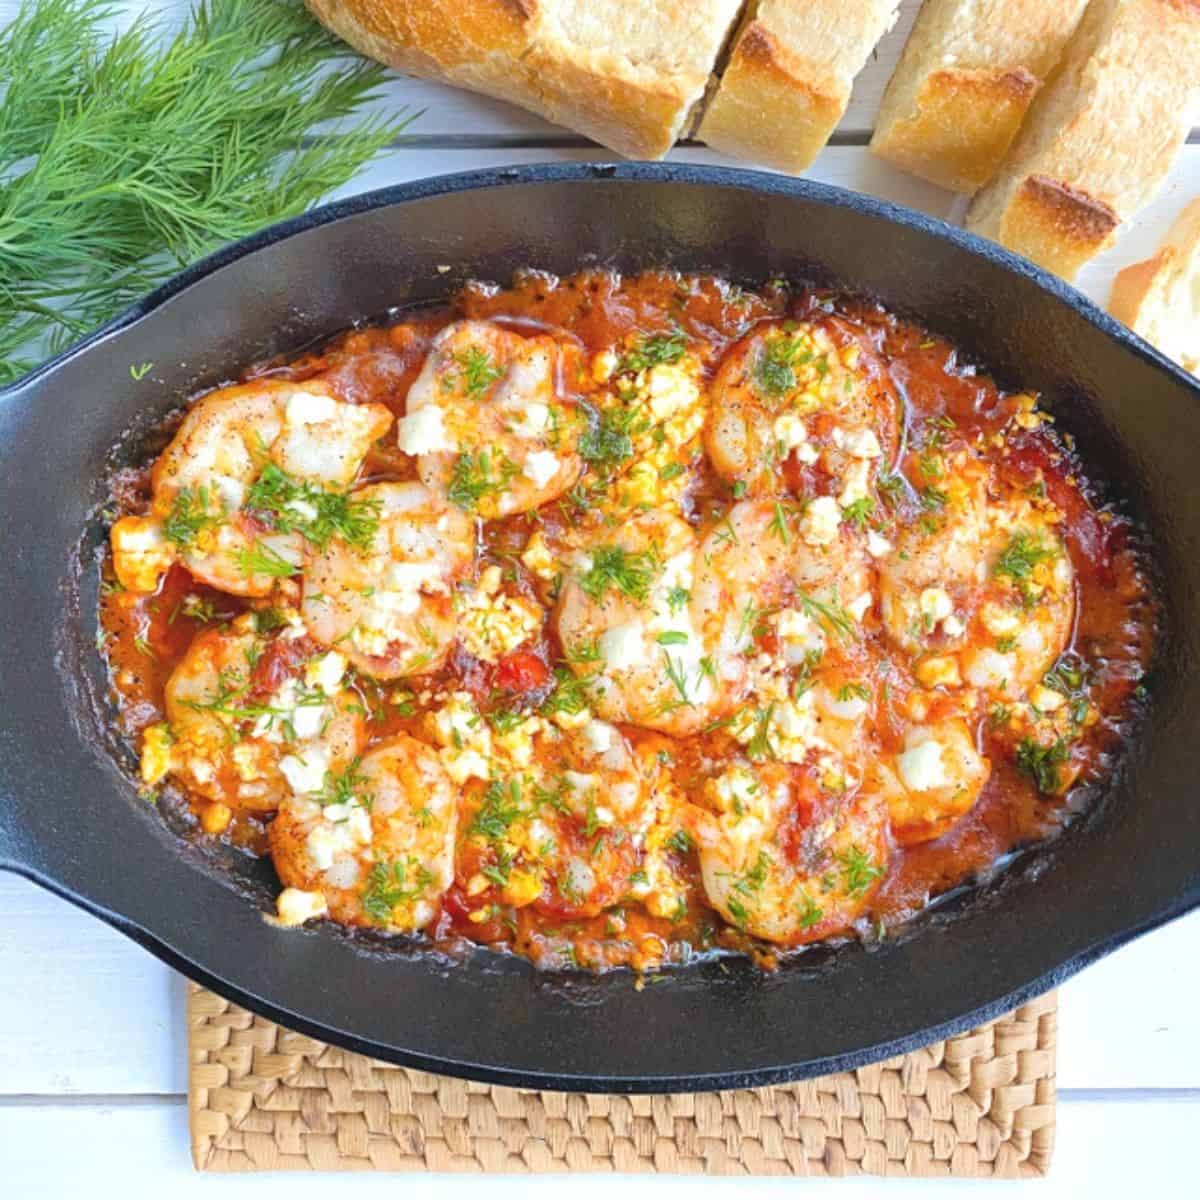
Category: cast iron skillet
<point>70,820</point>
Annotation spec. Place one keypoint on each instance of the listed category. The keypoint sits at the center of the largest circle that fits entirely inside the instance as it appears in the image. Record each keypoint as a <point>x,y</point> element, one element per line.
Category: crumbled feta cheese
<point>623,646</point>
<point>325,672</point>
<point>1045,699</point>
<point>325,842</point>
<point>921,767</point>
<point>156,753</point>
<point>935,605</point>
<point>819,525</point>
<point>877,545</point>
<point>799,635</point>
<point>990,669</point>
<point>858,443</point>
<point>940,670</point>
<point>423,431</point>
<point>537,557</point>
<point>493,625</point>
<point>670,389</point>
<point>599,736</point>
<point>808,454</point>
<point>535,416</point>
<point>310,408</point>
<point>952,626</point>
<point>1000,621</point>
<point>295,906</point>
<point>790,431</point>
<point>860,606</point>
<point>855,483</point>
<point>540,466</point>
<point>306,773</point>
<point>737,789</point>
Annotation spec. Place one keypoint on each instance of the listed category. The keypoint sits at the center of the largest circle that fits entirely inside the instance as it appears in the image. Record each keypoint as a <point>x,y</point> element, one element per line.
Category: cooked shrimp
<point>582,827</point>
<point>253,717</point>
<point>627,625</point>
<point>487,423</point>
<point>935,780</point>
<point>763,555</point>
<point>1025,612</point>
<point>390,610</point>
<point>379,847</point>
<point>804,387</point>
<point>982,595</point>
<point>782,856</point>
<point>252,471</point>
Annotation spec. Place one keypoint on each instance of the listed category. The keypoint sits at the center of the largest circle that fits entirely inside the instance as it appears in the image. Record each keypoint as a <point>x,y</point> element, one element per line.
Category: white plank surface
<point>1107,1147</point>
<point>107,1017</point>
<point>92,1065</point>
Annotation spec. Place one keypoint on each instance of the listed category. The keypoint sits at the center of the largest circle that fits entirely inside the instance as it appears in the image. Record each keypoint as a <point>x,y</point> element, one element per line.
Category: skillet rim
<point>599,171</point>
<point>734,178</point>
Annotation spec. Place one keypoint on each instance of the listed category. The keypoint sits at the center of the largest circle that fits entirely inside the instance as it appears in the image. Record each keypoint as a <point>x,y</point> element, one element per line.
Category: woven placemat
<point>264,1099</point>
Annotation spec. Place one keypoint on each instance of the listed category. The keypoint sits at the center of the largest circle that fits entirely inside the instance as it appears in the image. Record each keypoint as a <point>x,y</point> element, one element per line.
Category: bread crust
<point>968,74</point>
<point>1100,139</point>
<point>626,74</point>
<point>1160,297</point>
<point>789,75</point>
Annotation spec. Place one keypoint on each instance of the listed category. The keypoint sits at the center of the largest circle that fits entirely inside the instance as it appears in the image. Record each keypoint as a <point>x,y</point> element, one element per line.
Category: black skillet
<point>71,820</point>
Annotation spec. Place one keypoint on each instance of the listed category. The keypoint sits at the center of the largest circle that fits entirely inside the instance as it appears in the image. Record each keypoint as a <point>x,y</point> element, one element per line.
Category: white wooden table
<point>92,1057</point>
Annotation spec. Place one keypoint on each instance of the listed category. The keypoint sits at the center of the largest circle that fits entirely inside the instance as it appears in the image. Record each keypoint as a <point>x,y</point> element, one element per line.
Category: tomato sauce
<point>144,637</point>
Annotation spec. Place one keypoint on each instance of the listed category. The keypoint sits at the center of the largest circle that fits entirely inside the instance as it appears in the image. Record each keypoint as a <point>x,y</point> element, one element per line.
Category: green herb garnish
<point>612,566</point>
<point>653,350</point>
<point>1041,763</point>
<point>123,157</point>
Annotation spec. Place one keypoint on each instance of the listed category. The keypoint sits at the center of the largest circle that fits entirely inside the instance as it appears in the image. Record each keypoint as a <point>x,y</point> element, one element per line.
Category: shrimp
<point>486,422</point>
<point>764,555</point>
<point>983,595</point>
<point>253,471</point>
<point>935,780</point>
<point>378,848</point>
<point>1026,609</point>
<point>582,827</point>
<point>253,717</point>
<point>390,610</point>
<point>783,855</point>
<point>798,387</point>
<point>627,625</point>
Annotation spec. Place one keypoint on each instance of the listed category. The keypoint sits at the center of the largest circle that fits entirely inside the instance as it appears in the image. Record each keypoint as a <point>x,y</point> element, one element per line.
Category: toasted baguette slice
<point>1100,138</point>
<point>788,78</point>
<point>969,72</point>
<point>625,72</point>
<point>1160,298</point>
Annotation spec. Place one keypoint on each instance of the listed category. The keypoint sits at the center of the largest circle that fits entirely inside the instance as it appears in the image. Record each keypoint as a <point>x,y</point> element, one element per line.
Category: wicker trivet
<point>265,1099</point>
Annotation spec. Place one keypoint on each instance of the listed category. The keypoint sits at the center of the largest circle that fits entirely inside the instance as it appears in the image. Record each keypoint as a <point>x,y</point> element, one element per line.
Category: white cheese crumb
<point>325,672</point>
<point>423,431</point>
<point>623,646</point>
<point>790,431</point>
<point>310,408</point>
<point>295,906</point>
<point>599,736</point>
<point>921,767</point>
<point>305,774</point>
<point>877,545</point>
<point>858,443</point>
<point>540,466</point>
<point>935,605</point>
<point>819,525</point>
<point>859,607</point>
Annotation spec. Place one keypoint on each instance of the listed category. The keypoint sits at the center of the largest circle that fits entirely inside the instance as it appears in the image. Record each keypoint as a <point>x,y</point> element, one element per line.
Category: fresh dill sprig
<point>123,158</point>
